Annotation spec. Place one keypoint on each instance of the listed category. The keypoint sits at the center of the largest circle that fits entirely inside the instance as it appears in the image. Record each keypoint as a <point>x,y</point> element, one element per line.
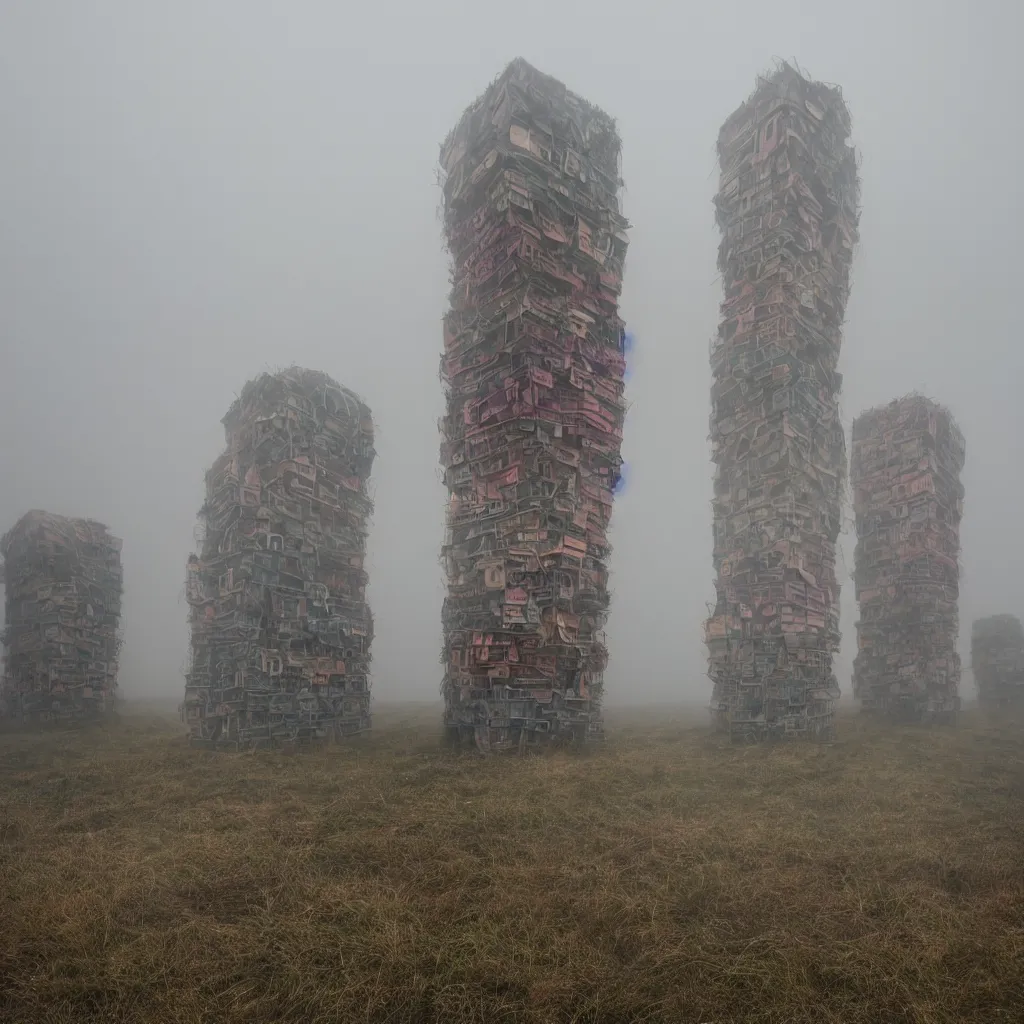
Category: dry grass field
<point>664,877</point>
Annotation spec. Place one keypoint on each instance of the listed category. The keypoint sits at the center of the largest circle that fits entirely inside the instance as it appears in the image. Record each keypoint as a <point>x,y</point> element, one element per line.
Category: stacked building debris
<point>63,605</point>
<point>280,627</point>
<point>533,366</point>
<point>997,658</point>
<point>787,210</point>
<point>908,500</point>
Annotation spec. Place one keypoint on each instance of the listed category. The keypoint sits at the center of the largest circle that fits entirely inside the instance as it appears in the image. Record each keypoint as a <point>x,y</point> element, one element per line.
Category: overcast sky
<point>193,191</point>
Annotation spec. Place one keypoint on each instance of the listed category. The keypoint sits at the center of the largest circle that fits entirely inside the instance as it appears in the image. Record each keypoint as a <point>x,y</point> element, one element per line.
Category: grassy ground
<point>665,877</point>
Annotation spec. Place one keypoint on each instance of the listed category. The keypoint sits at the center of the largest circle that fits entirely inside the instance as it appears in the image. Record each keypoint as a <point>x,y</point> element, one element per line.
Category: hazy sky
<point>194,191</point>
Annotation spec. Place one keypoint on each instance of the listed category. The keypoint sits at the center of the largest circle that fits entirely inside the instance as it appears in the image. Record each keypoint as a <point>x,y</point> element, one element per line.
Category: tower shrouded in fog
<point>908,501</point>
<point>280,627</point>
<point>787,210</point>
<point>997,658</point>
<point>533,367</point>
<point>63,585</point>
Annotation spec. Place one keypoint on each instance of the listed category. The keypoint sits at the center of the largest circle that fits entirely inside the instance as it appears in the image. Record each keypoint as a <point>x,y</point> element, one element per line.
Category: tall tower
<point>787,210</point>
<point>908,501</point>
<point>280,627</point>
<point>533,369</point>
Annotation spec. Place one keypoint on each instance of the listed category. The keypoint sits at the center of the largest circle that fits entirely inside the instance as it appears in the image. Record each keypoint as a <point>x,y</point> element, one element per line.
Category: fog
<point>193,192</point>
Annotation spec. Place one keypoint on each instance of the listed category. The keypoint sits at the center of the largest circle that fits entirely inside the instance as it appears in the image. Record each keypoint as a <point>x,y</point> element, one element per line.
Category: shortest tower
<point>908,502</point>
<point>63,587</point>
<point>997,658</point>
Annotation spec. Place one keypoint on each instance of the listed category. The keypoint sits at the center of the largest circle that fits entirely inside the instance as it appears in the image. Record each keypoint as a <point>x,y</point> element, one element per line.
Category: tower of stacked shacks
<point>908,500</point>
<point>280,627</point>
<point>533,366</point>
<point>63,588</point>
<point>787,210</point>
<point>997,658</point>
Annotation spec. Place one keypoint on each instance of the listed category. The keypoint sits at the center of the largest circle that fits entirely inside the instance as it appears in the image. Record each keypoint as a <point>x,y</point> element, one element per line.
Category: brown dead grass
<point>665,877</point>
